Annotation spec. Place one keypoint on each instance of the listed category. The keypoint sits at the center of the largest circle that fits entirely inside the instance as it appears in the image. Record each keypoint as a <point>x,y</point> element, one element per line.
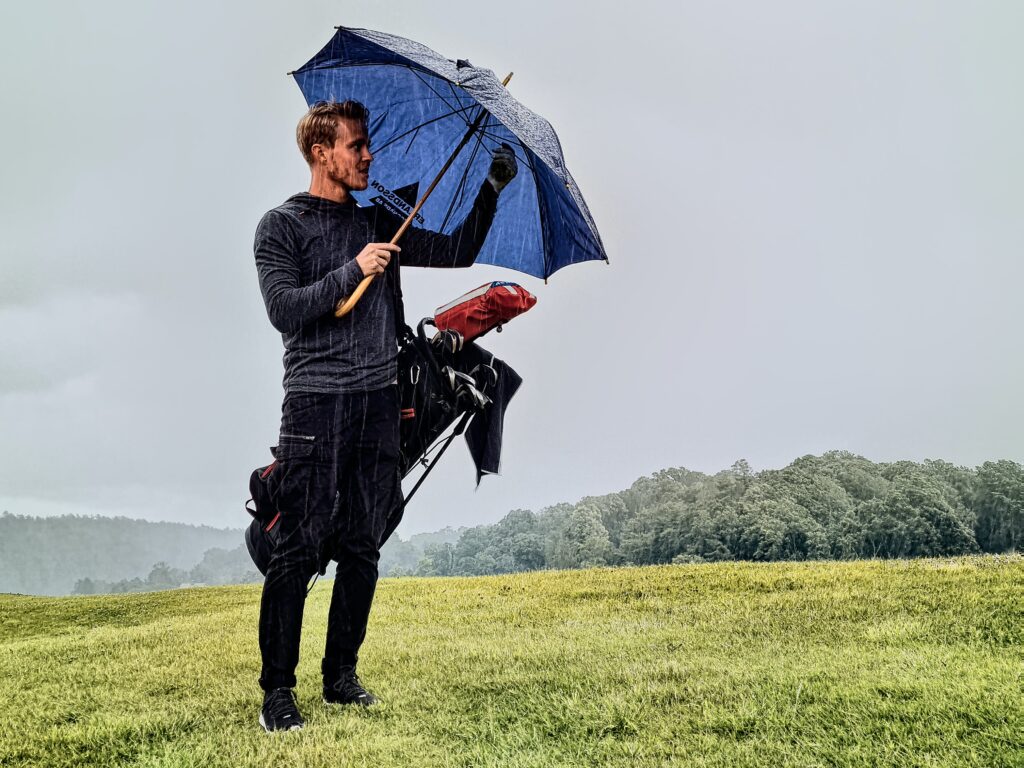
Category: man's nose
<point>368,156</point>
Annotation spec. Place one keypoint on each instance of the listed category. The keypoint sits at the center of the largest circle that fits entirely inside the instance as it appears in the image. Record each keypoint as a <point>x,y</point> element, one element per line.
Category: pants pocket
<point>290,486</point>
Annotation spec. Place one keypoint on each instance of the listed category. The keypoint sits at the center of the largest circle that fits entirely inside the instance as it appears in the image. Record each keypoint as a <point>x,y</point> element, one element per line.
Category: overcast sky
<point>814,213</point>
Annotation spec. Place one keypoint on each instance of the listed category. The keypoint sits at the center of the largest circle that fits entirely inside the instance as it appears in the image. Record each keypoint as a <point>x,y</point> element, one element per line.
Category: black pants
<point>344,446</point>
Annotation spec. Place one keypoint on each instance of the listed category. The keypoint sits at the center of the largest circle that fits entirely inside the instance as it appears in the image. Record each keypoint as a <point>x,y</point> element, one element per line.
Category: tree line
<point>234,566</point>
<point>834,506</point>
<point>218,566</point>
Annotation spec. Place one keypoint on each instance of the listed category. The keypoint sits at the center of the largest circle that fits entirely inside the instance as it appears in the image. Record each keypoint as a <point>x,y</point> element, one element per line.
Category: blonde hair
<point>320,124</point>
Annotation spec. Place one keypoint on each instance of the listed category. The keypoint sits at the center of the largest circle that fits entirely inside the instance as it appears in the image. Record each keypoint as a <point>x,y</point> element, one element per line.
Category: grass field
<point>825,664</point>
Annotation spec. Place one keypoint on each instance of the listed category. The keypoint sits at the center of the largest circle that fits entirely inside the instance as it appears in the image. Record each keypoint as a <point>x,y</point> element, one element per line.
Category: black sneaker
<point>279,712</point>
<point>348,690</point>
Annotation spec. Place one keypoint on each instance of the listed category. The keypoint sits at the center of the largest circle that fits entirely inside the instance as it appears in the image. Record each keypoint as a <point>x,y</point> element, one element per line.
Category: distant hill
<point>62,555</point>
<point>48,555</point>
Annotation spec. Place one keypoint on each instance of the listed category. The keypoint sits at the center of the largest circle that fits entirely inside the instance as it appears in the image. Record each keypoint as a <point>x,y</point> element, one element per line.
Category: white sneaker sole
<point>351,703</point>
<point>263,722</point>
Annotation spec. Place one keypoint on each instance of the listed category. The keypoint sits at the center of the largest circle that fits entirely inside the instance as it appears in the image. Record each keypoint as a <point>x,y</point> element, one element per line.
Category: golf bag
<point>444,383</point>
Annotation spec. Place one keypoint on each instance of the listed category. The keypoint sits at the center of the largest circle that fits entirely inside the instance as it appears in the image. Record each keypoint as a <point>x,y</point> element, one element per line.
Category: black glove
<point>503,167</point>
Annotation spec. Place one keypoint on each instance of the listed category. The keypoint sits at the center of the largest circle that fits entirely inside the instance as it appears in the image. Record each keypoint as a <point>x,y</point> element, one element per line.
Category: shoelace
<point>350,685</point>
<point>281,704</point>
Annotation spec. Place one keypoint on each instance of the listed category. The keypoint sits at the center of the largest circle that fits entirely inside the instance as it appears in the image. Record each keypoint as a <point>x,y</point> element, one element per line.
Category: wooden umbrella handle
<point>345,305</point>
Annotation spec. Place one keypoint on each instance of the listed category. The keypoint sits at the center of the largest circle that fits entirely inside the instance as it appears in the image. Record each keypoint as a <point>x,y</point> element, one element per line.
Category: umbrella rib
<point>454,110</point>
<point>408,147</point>
<point>488,135</point>
<point>502,140</point>
<point>483,131</point>
<point>460,190</point>
<point>402,135</point>
<point>417,73</point>
<point>540,214</point>
<point>437,93</point>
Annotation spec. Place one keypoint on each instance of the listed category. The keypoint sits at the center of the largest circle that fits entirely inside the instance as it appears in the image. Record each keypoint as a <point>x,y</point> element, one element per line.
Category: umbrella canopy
<point>421,105</point>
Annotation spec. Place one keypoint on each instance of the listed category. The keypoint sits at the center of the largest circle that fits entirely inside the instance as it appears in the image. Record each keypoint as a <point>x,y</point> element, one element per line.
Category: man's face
<point>348,161</point>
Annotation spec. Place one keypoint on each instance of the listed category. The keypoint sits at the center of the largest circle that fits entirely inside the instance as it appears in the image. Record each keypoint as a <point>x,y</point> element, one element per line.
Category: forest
<point>837,506</point>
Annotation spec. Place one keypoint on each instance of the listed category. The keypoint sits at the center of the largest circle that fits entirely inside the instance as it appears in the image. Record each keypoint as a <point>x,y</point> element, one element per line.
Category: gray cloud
<point>812,213</point>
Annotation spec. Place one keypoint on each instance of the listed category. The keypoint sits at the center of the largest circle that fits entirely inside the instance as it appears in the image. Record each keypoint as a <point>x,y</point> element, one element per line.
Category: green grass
<point>818,664</point>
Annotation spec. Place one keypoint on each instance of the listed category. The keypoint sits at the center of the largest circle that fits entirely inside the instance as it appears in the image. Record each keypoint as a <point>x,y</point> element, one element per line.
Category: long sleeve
<point>423,248</point>
<point>291,305</point>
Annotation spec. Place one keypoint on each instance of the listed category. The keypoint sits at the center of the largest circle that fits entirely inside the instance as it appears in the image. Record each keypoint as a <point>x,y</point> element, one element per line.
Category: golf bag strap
<point>402,331</point>
<point>459,429</point>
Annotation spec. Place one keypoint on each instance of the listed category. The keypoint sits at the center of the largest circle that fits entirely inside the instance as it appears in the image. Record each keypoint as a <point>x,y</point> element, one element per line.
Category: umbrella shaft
<point>473,128</point>
<point>346,304</point>
<point>437,179</point>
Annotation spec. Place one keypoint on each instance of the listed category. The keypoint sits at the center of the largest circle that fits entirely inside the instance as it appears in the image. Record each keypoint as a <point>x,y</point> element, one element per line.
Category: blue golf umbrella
<point>423,109</point>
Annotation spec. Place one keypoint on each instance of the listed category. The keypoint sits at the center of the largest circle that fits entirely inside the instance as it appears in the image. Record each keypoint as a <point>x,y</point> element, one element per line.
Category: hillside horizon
<point>834,506</point>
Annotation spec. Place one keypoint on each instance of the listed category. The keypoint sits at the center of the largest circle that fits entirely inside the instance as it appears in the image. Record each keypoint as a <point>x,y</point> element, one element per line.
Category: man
<point>338,448</point>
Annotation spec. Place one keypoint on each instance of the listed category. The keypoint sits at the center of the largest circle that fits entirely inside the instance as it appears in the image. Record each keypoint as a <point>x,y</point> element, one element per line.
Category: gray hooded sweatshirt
<point>305,257</point>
